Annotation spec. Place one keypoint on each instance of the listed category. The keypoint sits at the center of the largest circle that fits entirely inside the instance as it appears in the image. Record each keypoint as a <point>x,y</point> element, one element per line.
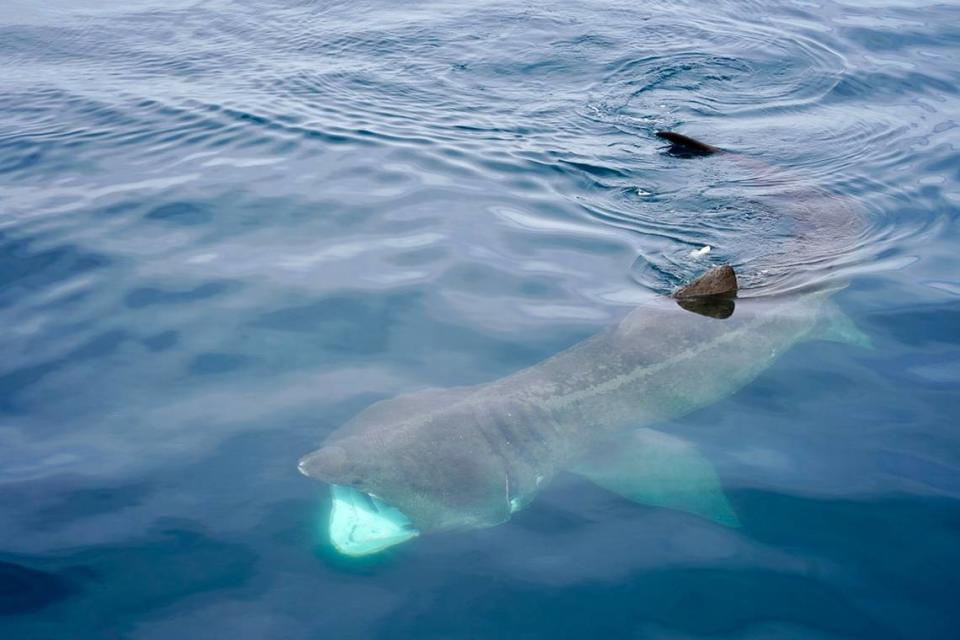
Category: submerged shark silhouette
<point>469,457</point>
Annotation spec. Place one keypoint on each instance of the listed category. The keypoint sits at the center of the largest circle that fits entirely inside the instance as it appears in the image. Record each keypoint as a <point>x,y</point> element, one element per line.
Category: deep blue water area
<point>227,226</point>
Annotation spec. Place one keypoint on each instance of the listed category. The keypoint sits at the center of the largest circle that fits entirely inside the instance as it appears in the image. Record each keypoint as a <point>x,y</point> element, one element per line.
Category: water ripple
<point>227,226</point>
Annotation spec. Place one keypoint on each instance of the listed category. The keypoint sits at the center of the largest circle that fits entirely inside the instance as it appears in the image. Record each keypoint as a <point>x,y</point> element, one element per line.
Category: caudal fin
<point>682,145</point>
<point>837,326</point>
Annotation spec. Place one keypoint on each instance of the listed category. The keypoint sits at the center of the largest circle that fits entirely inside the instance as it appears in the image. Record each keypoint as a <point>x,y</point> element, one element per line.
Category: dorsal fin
<point>719,281</point>
<point>711,294</point>
<point>682,145</point>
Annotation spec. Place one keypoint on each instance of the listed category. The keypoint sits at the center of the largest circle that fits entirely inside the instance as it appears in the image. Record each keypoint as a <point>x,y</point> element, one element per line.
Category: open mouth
<point>361,524</point>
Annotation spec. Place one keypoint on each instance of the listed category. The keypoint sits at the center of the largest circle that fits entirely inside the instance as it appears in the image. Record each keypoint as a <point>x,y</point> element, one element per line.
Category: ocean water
<point>228,226</point>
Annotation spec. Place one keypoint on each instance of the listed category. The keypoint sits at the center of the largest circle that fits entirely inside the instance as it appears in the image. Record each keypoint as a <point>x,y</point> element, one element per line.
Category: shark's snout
<point>360,523</point>
<point>327,463</point>
<point>302,466</point>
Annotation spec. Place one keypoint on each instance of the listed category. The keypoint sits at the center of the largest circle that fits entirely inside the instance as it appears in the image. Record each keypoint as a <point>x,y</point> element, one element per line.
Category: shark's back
<point>660,362</point>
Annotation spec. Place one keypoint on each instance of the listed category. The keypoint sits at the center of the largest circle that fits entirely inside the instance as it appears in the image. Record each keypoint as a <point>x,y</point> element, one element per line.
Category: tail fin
<point>682,145</point>
<point>839,327</point>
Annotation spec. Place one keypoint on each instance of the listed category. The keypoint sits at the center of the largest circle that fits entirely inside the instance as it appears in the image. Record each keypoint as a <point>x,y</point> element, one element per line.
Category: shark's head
<point>384,494</point>
<point>361,522</point>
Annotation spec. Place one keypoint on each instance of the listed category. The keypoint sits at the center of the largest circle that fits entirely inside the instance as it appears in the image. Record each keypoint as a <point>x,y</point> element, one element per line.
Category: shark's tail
<point>824,225</point>
<point>720,281</point>
<point>686,146</point>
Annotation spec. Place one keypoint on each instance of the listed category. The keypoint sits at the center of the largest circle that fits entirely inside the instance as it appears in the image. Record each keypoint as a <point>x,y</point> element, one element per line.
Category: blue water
<point>228,226</point>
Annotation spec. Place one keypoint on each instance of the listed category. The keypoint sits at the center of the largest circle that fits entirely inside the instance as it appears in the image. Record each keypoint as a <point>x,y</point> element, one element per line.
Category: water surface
<point>228,226</point>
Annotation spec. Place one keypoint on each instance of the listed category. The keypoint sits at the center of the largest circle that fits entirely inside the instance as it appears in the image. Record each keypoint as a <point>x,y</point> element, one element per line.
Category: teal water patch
<point>361,524</point>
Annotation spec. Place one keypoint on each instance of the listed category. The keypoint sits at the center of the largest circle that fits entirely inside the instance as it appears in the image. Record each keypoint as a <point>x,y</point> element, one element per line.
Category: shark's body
<point>468,457</point>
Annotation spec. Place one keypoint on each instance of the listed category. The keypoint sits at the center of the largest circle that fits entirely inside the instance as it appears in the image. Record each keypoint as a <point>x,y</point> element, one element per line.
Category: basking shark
<point>469,457</point>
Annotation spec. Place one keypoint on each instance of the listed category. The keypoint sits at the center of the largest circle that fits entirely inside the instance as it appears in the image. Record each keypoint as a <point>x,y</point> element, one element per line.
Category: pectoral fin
<point>655,469</point>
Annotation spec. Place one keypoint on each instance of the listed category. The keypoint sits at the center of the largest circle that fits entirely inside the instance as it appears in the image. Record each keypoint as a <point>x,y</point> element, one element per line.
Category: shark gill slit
<point>519,421</point>
<point>497,450</point>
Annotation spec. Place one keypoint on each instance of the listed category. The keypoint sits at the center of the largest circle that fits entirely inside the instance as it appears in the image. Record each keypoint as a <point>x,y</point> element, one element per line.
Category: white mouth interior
<point>361,524</point>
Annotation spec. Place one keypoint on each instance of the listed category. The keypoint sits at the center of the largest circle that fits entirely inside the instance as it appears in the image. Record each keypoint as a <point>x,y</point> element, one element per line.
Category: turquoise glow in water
<point>228,226</point>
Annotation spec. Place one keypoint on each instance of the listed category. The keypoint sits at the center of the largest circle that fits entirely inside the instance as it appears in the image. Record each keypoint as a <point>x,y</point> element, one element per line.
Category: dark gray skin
<point>468,457</point>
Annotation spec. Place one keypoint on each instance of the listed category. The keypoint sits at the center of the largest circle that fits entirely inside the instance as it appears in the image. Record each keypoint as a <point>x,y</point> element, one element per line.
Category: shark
<point>449,459</point>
